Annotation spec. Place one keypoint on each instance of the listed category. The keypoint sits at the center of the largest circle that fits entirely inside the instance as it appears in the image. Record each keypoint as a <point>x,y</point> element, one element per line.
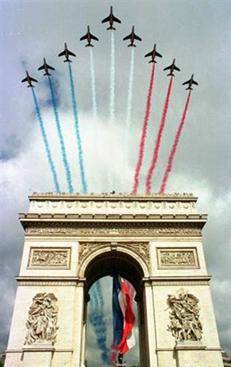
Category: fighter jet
<point>190,82</point>
<point>111,19</point>
<point>88,36</point>
<point>29,79</point>
<point>46,67</point>
<point>132,36</point>
<point>172,67</point>
<point>66,53</point>
<point>153,54</point>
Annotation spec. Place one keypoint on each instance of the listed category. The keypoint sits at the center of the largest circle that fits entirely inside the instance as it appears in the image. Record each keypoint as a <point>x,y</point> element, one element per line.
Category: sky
<point>196,33</point>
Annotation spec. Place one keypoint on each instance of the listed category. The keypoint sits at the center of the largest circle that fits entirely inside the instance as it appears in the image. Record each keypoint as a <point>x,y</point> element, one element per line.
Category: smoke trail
<point>93,88</point>
<point>158,139</point>
<point>45,140</point>
<point>61,139</point>
<point>112,80</point>
<point>96,317</point>
<point>174,146</point>
<point>144,131</point>
<point>130,88</point>
<point>77,130</point>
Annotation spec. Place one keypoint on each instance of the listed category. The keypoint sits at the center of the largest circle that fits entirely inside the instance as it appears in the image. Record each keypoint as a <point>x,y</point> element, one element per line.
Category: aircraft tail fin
<point>111,27</point>
<point>89,45</point>
<point>131,45</point>
<point>170,74</point>
<point>67,60</point>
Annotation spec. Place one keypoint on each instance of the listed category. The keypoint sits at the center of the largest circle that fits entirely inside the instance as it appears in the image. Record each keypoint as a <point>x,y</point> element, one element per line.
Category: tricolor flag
<point>123,314</point>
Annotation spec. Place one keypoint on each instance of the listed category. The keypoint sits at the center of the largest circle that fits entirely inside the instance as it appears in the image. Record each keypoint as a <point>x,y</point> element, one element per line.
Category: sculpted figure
<point>184,316</point>
<point>42,319</point>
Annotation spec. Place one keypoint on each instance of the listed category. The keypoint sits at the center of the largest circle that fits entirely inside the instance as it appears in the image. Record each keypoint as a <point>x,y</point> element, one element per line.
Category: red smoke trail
<point>158,139</point>
<point>174,146</point>
<point>144,131</point>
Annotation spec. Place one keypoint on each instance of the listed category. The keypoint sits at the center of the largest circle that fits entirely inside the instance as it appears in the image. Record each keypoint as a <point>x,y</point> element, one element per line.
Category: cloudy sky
<point>196,33</point>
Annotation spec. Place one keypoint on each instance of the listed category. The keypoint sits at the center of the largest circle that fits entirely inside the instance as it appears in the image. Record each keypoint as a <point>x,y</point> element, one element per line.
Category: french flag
<point>123,314</point>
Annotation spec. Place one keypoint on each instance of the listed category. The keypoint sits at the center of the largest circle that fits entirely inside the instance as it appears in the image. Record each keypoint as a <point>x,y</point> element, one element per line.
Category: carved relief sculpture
<point>184,316</point>
<point>42,319</point>
<point>49,257</point>
<point>177,258</point>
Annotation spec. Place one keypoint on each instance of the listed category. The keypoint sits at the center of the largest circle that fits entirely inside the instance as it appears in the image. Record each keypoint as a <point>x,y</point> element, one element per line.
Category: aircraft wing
<point>50,67</point>
<point>71,53</point>
<point>188,81</point>
<point>168,67</point>
<point>42,67</point>
<point>176,68</point>
<point>137,37</point>
<point>24,80</point>
<point>83,38</point>
<point>33,80</point>
<point>127,37</point>
<point>116,19</point>
<point>62,53</point>
<point>195,82</point>
<point>148,54</point>
<point>94,37</point>
<point>106,20</point>
<point>157,54</point>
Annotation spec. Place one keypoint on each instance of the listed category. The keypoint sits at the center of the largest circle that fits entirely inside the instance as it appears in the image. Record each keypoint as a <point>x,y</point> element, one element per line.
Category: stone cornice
<point>46,217</point>
<point>51,196</point>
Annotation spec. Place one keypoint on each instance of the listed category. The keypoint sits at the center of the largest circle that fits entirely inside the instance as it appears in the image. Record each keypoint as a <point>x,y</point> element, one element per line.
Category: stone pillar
<point>78,325</point>
<point>150,325</point>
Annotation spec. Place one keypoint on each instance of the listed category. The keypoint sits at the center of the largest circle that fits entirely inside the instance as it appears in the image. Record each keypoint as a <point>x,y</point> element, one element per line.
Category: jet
<point>172,67</point>
<point>132,36</point>
<point>190,82</point>
<point>29,79</point>
<point>111,19</point>
<point>88,36</point>
<point>153,54</point>
<point>66,53</point>
<point>46,67</point>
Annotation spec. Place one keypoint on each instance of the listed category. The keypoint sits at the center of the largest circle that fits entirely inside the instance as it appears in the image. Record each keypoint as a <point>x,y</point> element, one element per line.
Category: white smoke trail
<point>130,89</point>
<point>93,88</point>
<point>128,114</point>
<point>112,80</point>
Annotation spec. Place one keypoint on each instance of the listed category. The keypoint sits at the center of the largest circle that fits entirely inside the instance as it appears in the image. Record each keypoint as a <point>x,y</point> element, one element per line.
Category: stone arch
<point>100,259</point>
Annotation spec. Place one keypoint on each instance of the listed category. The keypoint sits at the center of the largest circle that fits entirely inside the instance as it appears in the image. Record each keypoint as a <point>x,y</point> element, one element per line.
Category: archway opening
<point>98,308</point>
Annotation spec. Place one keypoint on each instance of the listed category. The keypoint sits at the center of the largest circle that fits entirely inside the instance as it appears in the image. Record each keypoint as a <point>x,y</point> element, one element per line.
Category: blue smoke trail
<point>96,317</point>
<point>112,79</point>
<point>61,139</point>
<point>78,137</point>
<point>45,140</point>
<point>130,89</point>
<point>93,88</point>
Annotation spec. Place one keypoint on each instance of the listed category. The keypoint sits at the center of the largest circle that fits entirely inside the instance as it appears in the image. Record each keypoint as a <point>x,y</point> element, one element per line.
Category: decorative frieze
<point>42,319</point>
<point>184,324</point>
<point>49,257</point>
<point>177,258</point>
<point>126,229</point>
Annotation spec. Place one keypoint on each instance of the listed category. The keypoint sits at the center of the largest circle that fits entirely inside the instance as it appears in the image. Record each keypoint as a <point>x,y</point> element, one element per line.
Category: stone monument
<point>154,241</point>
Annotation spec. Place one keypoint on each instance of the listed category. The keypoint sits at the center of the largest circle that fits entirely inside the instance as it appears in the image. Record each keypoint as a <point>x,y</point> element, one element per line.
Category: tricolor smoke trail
<point>45,140</point>
<point>158,139</point>
<point>61,139</point>
<point>144,131</point>
<point>93,87</point>
<point>172,153</point>
<point>77,130</point>
<point>130,88</point>
<point>97,320</point>
<point>112,79</point>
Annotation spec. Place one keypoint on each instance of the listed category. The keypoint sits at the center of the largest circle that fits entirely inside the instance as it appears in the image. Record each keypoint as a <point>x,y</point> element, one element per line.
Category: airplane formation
<point>132,37</point>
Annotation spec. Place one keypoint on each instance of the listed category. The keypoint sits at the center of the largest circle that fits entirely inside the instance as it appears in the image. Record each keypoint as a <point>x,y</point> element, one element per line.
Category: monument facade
<point>154,241</point>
